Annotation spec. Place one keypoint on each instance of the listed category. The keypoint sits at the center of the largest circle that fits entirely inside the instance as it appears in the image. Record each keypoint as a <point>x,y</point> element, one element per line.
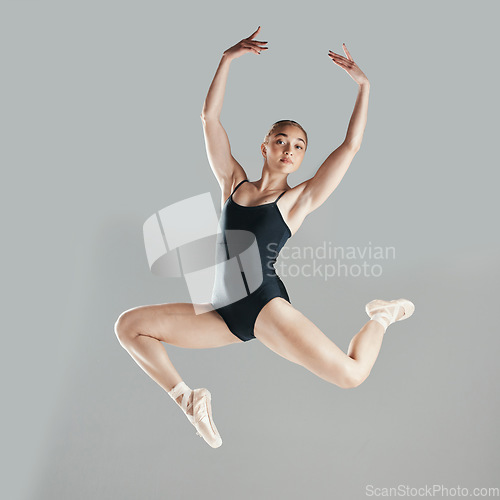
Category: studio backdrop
<point>101,130</point>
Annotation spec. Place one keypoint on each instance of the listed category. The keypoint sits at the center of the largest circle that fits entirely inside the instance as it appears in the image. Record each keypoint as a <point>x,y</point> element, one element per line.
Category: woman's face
<point>286,148</point>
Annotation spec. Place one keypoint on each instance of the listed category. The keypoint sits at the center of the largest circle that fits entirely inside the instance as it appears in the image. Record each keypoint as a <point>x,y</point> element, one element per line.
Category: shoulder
<point>236,182</point>
<point>294,197</point>
<point>230,184</point>
<point>294,206</point>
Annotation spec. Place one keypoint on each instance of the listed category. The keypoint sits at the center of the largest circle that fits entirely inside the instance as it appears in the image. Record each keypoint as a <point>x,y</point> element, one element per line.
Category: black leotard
<point>248,245</point>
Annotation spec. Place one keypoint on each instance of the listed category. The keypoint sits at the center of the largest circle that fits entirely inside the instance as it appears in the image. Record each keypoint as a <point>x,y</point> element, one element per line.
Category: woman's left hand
<point>349,65</point>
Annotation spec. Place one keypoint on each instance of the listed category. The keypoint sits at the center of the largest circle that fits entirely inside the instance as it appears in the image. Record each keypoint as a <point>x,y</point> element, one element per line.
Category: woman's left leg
<point>289,333</point>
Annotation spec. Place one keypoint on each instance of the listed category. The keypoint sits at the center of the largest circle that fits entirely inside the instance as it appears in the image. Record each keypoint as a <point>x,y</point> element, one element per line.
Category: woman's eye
<point>299,147</point>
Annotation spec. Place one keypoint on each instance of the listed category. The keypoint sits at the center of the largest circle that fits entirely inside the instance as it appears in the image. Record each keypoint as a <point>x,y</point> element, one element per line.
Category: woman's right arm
<point>226,169</point>
<point>212,106</point>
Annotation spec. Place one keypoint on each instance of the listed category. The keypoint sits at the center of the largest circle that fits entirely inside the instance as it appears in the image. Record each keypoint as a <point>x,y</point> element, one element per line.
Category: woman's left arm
<point>319,187</point>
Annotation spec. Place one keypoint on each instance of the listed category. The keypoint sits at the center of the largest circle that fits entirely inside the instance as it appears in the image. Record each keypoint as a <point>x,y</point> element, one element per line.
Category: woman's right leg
<point>142,329</point>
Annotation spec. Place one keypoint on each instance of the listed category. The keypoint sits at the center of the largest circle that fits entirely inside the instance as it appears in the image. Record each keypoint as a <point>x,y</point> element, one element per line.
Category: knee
<point>124,327</point>
<point>353,377</point>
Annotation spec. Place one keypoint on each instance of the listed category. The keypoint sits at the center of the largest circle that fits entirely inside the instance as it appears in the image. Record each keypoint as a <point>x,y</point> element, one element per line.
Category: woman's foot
<point>197,406</point>
<point>203,421</point>
<point>189,408</point>
<point>387,312</point>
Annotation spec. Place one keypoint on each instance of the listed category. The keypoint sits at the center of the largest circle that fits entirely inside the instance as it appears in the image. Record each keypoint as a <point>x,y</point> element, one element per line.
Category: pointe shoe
<point>202,413</point>
<point>202,417</point>
<point>389,310</point>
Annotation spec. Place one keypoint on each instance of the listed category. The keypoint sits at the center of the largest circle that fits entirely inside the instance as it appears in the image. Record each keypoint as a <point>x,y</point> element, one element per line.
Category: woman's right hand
<point>244,46</point>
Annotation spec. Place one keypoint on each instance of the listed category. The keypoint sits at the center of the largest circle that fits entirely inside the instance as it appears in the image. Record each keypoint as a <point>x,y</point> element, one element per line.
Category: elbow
<point>204,112</point>
<point>354,146</point>
<point>206,117</point>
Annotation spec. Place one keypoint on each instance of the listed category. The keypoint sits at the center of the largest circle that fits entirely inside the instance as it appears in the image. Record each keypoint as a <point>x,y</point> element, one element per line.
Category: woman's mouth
<point>286,160</point>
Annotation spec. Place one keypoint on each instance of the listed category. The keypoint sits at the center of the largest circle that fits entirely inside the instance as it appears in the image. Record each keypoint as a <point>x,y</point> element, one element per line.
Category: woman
<point>271,211</point>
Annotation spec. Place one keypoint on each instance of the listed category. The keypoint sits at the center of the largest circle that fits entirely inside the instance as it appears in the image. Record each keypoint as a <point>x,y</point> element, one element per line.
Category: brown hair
<point>278,124</point>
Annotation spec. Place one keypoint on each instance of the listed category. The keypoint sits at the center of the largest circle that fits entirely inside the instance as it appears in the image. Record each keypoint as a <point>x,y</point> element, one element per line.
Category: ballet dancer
<point>272,211</point>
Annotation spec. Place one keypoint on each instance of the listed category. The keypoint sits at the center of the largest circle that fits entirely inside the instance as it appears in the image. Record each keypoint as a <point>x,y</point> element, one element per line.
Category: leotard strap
<point>279,196</point>
<point>244,180</point>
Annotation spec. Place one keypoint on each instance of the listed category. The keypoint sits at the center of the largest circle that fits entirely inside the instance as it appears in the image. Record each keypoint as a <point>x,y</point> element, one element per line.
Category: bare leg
<point>150,354</point>
<point>142,330</point>
<point>365,345</point>
<point>286,331</point>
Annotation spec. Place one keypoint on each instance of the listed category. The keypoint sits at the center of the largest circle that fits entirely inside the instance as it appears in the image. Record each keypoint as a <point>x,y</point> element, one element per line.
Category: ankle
<point>183,396</point>
<point>382,320</point>
<point>189,409</point>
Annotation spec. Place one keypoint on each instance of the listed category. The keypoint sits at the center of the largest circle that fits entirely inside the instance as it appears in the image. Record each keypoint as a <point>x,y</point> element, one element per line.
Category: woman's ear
<point>263,149</point>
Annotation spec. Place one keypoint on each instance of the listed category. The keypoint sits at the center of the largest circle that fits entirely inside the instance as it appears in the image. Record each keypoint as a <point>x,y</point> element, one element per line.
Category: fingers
<point>336,57</point>
<point>255,48</point>
<point>255,32</point>
<point>339,60</point>
<point>347,52</point>
<point>254,45</point>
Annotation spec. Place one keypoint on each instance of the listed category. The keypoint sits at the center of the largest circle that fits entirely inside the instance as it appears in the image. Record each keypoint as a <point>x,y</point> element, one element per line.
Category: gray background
<point>101,128</point>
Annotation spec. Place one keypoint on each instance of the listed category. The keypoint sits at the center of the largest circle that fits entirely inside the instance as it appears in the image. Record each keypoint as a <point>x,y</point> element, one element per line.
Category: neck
<point>271,180</point>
